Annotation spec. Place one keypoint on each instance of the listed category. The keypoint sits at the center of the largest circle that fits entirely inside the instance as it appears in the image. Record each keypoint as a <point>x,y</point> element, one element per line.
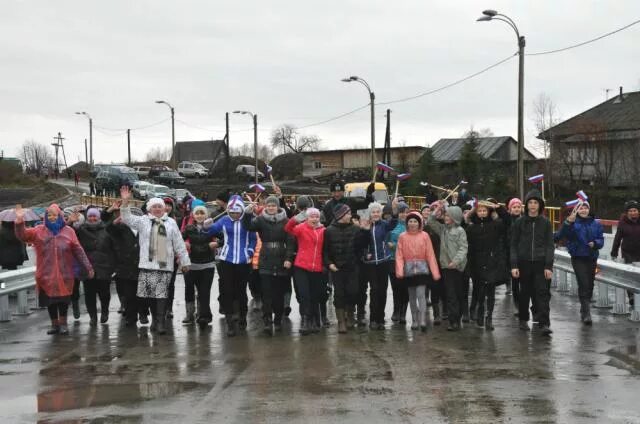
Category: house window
<point>317,165</point>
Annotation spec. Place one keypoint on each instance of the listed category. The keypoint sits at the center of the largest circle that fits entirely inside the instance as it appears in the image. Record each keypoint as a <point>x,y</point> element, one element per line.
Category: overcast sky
<point>284,60</point>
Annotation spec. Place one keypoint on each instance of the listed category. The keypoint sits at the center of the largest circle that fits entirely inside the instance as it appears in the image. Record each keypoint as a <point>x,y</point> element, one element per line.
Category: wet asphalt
<point>115,374</point>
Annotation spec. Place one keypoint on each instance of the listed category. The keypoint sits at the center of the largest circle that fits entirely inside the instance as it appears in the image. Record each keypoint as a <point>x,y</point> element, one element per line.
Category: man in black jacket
<point>337,198</point>
<point>531,254</point>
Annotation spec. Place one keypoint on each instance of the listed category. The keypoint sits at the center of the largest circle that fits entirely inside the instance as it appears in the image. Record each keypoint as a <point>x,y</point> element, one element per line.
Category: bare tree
<point>158,154</point>
<point>472,133</point>
<point>36,156</point>
<point>287,138</point>
<point>545,115</point>
<point>265,152</point>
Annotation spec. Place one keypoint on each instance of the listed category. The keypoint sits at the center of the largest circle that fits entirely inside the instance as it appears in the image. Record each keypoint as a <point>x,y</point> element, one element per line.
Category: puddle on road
<point>106,394</point>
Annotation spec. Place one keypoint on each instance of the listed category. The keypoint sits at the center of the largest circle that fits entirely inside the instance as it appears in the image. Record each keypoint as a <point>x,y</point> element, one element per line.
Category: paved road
<point>113,374</point>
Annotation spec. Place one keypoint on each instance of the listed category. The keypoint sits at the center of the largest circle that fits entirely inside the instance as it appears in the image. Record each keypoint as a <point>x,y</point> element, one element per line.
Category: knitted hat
<point>198,205</point>
<point>168,200</point>
<point>340,211</point>
<point>425,206</point>
<point>272,200</point>
<point>304,202</point>
<point>402,207</point>
<point>154,201</point>
<point>632,204</point>
<point>336,185</point>
<point>313,212</point>
<point>93,212</point>
<point>513,202</point>
<point>415,215</point>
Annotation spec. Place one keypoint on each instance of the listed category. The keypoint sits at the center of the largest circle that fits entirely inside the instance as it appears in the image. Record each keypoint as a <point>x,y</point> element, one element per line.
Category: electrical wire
<point>132,129</point>
<point>584,42</point>
<point>332,119</point>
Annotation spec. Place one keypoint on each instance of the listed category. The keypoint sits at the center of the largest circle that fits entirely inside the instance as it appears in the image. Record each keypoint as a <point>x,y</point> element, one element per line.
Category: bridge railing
<point>19,282</point>
<point>611,275</point>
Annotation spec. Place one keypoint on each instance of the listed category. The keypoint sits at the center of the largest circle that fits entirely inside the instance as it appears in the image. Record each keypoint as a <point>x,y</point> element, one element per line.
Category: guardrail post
<point>562,284</point>
<point>5,313</point>
<point>635,312</point>
<point>620,307</point>
<point>22,307</point>
<point>603,296</point>
<point>554,280</point>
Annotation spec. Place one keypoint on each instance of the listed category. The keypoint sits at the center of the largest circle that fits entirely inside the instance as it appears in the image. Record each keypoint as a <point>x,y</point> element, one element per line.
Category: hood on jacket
<point>455,213</point>
<point>279,216</point>
<point>533,194</point>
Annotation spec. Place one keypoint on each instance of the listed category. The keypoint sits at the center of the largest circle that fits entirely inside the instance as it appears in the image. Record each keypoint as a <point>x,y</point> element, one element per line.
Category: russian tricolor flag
<point>463,182</point>
<point>269,169</point>
<point>403,177</point>
<point>572,203</point>
<point>384,167</point>
<point>536,178</point>
<point>259,188</point>
<point>582,196</point>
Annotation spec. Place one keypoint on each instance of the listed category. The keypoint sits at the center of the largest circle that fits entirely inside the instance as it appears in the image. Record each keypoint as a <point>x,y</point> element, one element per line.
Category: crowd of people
<point>276,250</point>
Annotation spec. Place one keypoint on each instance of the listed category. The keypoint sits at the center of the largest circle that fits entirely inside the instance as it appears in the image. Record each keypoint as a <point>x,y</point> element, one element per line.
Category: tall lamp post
<point>90,138</point>
<point>372,98</point>
<point>255,138</point>
<point>173,133</point>
<point>492,15</point>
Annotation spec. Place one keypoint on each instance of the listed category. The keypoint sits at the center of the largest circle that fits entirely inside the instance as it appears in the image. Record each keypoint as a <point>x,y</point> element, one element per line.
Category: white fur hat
<point>154,201</point>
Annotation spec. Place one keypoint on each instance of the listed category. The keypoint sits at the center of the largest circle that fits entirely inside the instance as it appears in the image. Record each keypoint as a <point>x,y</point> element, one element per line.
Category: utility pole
<point>255,144</point>
<point>57,146</point>
<point>521,44</point>
<point>226,148</point>
<point>86,154</point>
<point>91,142</point>
<point>129,146</point>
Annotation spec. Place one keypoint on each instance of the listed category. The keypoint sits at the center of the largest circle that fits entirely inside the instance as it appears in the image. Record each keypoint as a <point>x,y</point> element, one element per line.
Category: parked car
<point>155,170</point>
<point>169,178</point>
<point>93,173</point>
<point>140,189</point>
<point>115,177</point>
<point>158,190</point>
<point>248,172</point>
<point>192,169</point>
<point>180,193</point>
<point>142,171</point>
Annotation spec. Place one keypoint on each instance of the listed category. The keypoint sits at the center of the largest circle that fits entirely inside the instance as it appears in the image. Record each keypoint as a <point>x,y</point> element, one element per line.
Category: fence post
<point>620,307</point>
<point>22,307</point>
<point>5,313</point>
<point>603,296</point>
<point>562,284</point>
<point>635,312</point>
<point>554,280</point>
<point>573,286</point>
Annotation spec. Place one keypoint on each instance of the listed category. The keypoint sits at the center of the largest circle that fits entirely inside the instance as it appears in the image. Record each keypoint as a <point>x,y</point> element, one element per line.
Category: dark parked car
<point>114,177</point>
<point>169,178</point>
<point>155,170</point>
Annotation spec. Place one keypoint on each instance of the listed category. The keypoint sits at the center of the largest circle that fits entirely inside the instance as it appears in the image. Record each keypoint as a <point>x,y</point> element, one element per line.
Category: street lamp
<point>492,15</point>
<point>90,138</point>
<point>372,98</point>
<point>173,133</point>
<point>255,138</point>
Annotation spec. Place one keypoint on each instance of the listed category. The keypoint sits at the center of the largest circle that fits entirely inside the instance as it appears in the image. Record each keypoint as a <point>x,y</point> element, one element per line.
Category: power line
<point>133,129</point>
<point>584,42</point>
<point>332,119</point>
<point>444,87</point>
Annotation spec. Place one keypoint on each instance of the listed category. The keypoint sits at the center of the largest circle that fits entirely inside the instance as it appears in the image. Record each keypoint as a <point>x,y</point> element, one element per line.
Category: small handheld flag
<point>582,196</point>
<point>259,188</point>
<point>403,177</point>
<point>384,167</point>
<point>536,178</point>
<point>424,184</point>
<point>572,203</point>
<point>462,182</point>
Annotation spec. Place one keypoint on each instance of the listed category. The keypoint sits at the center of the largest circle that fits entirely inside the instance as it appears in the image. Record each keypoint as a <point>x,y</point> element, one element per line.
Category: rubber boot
<point>402,318</point>
<point>55,327</point>
<point>342,325</point>
<point>190,318</point>
<point>231,326</point>
<point>488,323</point>
<point>75,306</point>
<point>304,325</point>
<point>586,313</point>
<point>268,326</point>
<point>161,315</point>
<point>62,321</point>
<point>436,314</point>
<point>349,317</point>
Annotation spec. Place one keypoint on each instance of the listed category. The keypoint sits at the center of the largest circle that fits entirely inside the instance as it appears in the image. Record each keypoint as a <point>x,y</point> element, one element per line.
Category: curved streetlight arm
<point>510,24</point>
<point>513,24</point>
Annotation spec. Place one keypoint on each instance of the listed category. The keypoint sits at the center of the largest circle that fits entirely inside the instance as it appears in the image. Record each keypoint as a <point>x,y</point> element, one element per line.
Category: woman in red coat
<point>56,247</point>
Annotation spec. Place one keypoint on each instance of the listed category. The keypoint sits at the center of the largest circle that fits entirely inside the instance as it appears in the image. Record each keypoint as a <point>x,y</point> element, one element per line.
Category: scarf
<point>55,227</point>
<point>158,242</point>
<point>281,215</point>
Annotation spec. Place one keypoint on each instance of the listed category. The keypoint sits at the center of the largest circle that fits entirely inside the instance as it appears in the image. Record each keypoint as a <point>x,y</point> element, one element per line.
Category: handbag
<point>415,267</point>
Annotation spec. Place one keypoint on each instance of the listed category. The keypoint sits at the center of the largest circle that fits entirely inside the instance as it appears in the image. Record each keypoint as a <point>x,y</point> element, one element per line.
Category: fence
<point>620,277</point>
<point>19,282</point>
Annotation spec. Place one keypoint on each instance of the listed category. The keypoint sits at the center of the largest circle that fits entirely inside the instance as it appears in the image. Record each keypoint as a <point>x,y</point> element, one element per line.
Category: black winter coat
<point>274,241</point>
<point>199,239</point>
<point>355,203</point>
<point>532,237</point>
<point>127,251</point>
<point>627,236</point>
<point>343,244</point>
<point>13,252</point>
<point>487,254</point>
<point>98,245</point>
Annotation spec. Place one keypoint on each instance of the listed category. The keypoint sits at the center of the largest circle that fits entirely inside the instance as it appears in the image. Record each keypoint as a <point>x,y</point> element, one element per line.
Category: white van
<point>191,169</point>
<point>248,172</point>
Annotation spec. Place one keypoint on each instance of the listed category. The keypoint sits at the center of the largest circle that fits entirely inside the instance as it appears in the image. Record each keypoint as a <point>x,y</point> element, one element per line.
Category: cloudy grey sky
<point>284,60</point>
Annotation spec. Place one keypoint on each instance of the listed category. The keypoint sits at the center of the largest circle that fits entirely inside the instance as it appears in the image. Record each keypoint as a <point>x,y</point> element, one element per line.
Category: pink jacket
<point>412,246</point>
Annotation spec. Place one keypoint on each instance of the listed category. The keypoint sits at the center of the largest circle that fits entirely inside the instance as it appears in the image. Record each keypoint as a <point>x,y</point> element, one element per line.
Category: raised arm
<point>132,221</point>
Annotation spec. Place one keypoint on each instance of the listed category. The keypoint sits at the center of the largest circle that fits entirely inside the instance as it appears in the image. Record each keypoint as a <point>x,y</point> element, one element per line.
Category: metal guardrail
<point>18,282</point>
<point>622,277</point>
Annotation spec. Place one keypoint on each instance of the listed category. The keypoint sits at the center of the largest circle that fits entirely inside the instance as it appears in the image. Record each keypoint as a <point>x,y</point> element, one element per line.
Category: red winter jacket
<point>310,242</point>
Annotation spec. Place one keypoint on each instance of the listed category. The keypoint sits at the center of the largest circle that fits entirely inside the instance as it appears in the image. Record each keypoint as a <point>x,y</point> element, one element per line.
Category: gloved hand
<point>301,217</point>
<point>207,223</point>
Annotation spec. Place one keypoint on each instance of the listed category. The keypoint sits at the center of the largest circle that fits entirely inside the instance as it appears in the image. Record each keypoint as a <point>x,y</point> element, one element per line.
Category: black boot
<point>268,326</point>
<point>161,315</point>
<point>75,306</point>
<point>324,320</point>
<point>436,314</point>
<point>231,326</point>
<point>488,323</point>
<point>304,325</point>
<point>104,316</point>
<point>585,311</point>
<point>395,316</point>
<point>402,318</point>
<point>93,319</point>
